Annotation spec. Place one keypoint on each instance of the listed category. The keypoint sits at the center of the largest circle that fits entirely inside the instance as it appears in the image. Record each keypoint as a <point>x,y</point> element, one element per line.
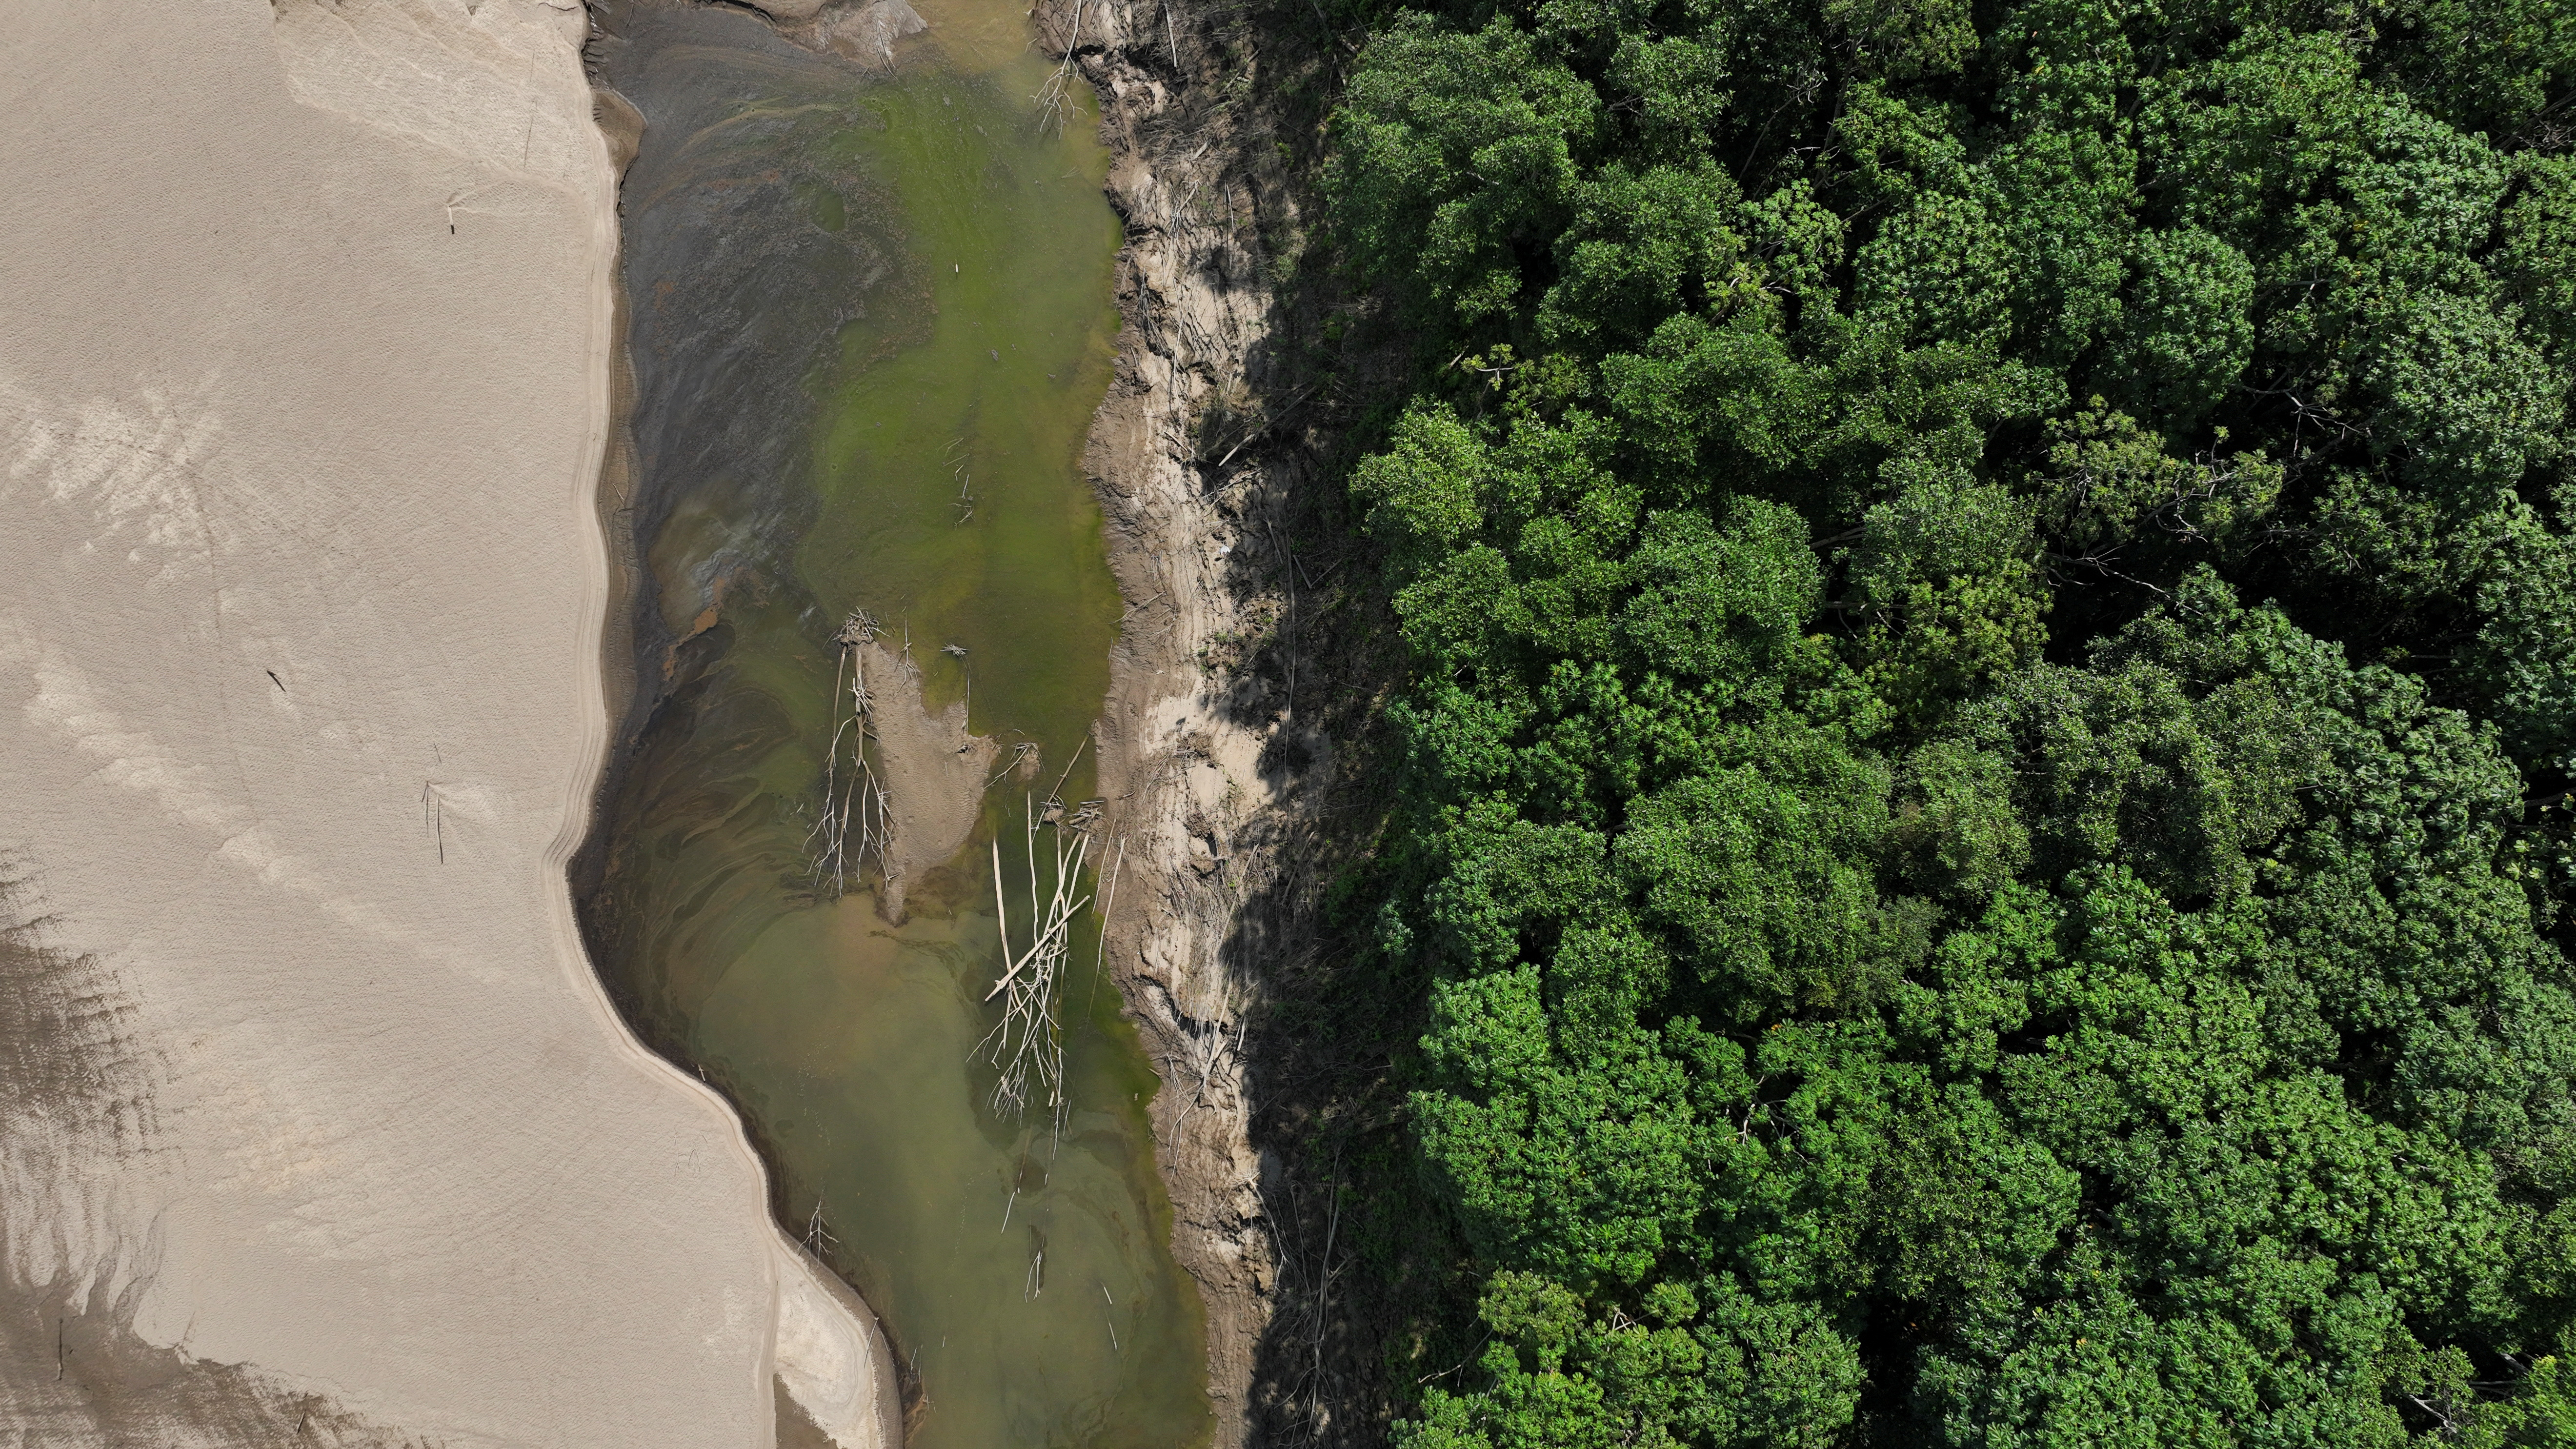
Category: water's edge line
<point>610,590</point>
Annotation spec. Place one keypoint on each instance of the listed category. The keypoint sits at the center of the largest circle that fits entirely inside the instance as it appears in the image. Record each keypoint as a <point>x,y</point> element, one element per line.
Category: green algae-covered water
<point>870,318</point>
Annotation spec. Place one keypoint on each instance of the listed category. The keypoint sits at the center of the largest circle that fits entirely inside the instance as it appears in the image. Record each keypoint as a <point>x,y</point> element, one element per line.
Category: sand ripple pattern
<point>314,1125</point>
<point>498,83</point>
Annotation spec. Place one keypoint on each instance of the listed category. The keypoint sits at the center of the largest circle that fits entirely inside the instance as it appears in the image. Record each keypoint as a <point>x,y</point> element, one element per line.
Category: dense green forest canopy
<point>1992,597</point>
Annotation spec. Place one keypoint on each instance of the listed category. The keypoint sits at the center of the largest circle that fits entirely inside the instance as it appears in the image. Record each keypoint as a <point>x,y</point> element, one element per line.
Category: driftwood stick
<point>1055,928</point>
<point>1001,918</point>
<point>1026,1043</point>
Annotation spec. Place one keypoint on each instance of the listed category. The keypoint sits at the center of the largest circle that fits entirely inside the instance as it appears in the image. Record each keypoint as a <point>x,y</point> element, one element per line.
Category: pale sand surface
<point>312,1116</point>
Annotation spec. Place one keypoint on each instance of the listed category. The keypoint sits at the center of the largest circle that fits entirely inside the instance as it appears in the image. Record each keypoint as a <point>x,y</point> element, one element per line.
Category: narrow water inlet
<point>870,317</point>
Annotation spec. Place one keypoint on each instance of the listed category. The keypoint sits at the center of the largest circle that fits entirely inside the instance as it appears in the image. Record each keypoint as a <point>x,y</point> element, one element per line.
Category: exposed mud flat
<point>935,774</point>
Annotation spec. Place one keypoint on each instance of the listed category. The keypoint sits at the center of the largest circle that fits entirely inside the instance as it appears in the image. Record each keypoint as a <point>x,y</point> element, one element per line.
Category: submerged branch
<point>853,821</point>
<point>1026,1046</point>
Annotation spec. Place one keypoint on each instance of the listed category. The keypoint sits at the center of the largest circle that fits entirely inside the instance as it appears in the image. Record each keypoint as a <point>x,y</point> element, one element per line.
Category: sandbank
<point>935,772</point>
<point>314,1122</point>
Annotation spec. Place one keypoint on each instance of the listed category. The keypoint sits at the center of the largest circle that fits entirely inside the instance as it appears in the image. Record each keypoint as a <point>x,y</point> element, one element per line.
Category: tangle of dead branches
<point>1026,1046</point>
<point>852,825</point>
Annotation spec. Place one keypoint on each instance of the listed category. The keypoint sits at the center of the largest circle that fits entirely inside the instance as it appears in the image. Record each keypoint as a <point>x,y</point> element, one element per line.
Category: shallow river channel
<point>870,316</point>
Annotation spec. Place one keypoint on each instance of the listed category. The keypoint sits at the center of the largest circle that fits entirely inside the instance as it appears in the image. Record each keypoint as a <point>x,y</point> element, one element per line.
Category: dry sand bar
<point>313,1120</point>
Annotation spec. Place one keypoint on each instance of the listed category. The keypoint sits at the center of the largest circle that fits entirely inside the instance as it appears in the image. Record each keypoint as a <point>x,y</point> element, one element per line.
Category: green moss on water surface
<point>873,318</point>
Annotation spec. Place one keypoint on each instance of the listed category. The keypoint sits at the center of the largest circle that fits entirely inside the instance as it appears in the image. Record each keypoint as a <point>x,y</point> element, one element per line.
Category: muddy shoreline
<point>1207,771</point>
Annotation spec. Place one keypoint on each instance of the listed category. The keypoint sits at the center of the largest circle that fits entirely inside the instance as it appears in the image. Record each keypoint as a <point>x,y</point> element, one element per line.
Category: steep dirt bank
<point>1208,763</point>
<point>1208,756</point>
<point>1239,743</point>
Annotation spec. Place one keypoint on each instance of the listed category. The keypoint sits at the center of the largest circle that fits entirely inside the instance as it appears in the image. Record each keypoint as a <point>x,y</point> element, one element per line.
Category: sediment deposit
<point>313,1119</point>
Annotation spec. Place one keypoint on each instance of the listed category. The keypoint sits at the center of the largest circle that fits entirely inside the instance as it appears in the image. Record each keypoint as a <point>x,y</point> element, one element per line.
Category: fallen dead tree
<point>1027,1045</point>
<point>852,825</point>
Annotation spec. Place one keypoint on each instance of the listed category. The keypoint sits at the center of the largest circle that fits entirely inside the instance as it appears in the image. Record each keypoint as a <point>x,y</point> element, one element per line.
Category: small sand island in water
<point>315,1125</point>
